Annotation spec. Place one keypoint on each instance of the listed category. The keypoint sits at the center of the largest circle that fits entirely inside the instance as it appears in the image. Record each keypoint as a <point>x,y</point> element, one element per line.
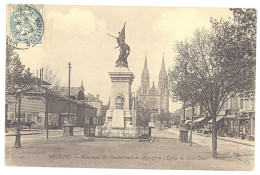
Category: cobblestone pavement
<point>164,152</point>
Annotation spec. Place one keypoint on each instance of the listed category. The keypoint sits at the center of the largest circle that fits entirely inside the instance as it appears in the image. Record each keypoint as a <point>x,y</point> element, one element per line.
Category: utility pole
<point>18,131</point>
<point>183,120</point>
<point>191,124</point>
<point>46,113</point>
<point>46,103</point>
<point>69,92</point>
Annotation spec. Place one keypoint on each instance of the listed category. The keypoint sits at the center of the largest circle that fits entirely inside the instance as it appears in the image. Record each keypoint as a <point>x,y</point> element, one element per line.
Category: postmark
<point>26,26</point>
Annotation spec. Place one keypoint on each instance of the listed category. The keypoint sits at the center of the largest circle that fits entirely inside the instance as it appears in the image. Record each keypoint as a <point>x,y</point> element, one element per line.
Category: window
<point>29,118</point>
<point>39,119</point>
<point>241,104</point>
<point>236,102</point>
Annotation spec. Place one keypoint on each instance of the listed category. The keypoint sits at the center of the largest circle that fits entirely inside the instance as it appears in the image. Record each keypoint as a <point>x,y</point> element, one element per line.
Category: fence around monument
<point>131,132</point>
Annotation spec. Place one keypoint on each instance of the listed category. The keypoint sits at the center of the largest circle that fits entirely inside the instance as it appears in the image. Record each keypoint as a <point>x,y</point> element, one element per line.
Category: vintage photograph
<point>125,87</point>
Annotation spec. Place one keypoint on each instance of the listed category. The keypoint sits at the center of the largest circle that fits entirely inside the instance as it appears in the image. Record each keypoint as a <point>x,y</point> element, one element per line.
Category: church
<point>155,98</point>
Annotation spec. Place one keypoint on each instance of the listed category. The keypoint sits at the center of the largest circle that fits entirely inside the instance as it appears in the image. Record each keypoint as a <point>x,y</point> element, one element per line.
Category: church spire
<point>145,62</point>
<point>163,72</point>
<point>163,80</point>
<point>145,83</point>
<point>145,73</point>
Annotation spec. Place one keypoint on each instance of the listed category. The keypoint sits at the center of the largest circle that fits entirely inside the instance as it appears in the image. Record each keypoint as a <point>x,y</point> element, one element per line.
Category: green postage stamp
<point>26,26</point>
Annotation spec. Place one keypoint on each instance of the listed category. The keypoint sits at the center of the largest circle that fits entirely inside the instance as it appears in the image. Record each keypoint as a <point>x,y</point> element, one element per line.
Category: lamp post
<point>184,100</point>
<point>18,133</point>
<point>183,137</point>
<point>68,128</point>
<point>6,108</point>
<point>69,92</point>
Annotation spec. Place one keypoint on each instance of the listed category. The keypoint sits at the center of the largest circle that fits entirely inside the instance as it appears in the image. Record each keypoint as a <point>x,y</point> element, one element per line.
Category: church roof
<point>153,90</point>
<point>73,91</point>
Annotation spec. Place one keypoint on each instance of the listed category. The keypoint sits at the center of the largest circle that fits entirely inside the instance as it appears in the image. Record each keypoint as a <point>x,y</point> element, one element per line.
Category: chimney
<point>97,97</point>
<point>40,77</point>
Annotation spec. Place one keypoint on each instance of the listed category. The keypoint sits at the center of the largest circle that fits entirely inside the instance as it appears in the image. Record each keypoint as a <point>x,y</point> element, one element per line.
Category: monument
<point>120,119</point>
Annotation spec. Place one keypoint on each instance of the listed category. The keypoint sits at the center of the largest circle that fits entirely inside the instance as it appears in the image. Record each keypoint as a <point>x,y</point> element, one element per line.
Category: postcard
<point>127,87</point>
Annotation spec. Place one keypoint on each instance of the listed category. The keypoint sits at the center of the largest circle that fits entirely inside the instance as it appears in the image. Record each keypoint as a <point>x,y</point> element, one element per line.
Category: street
<point>164,152</point>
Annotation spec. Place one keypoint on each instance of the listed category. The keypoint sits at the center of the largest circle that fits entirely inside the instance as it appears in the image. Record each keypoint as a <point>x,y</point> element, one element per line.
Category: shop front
<point>231,122</point>
<point>246,125</point>
<point>220,125</point>
<point>199,123</point>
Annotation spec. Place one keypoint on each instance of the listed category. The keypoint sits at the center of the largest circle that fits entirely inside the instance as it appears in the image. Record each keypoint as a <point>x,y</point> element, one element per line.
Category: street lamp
<point>69,65</point>
<point>18,133</point>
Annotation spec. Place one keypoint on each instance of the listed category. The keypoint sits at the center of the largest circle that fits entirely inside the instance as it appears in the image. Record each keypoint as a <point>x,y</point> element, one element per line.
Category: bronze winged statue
<point>123,48</point>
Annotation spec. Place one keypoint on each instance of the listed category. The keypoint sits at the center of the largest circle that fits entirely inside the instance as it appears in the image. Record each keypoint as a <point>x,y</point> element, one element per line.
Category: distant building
<point>97,103</point>
<point>103,113</point>
<point>33,108</point>
<point>76,93</point>
<point>155,98</point>
<point>235,119</point>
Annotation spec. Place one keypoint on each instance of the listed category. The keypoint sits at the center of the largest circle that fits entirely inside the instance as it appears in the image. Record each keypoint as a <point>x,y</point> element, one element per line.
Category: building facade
<point>156,98</point>
<point>34,108</point>
<point>235,119</point>
<point>96,103</point>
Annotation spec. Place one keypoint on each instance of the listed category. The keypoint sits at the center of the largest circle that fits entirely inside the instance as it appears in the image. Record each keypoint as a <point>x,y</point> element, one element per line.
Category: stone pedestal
<point>119,116</point>
<point>68,130</point>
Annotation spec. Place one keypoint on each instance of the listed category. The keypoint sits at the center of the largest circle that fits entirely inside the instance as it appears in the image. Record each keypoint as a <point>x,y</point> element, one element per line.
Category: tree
<point>163,117</point>
<point>236,45</point>
<point>16,74</point>
<point>50,76</point>
<point>217,64</point>
<point>143,114</point>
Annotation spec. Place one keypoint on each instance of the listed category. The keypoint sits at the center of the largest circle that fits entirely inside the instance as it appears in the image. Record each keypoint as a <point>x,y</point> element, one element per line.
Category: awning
<point>187,121</point>
<point>198,120</point>
<point>217,119</point>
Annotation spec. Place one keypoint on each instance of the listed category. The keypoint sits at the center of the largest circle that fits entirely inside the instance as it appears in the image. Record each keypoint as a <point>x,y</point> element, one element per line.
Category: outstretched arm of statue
<point>112,36</point>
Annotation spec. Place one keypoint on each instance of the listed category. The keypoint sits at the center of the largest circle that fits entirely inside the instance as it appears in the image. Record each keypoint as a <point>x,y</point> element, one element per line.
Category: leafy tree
<point>216,64</point>
<point>143,114</point>
<point>235,45</point>
<point>176,117</point>
<point>163,117</point>
<point>16,74</point>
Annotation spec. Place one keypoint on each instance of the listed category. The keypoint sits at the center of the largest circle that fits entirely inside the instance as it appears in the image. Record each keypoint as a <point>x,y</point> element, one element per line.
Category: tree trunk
<point>214,137</point>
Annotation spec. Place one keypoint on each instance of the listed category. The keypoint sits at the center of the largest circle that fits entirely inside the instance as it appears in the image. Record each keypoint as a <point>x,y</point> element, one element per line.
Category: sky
<point>78,34</point>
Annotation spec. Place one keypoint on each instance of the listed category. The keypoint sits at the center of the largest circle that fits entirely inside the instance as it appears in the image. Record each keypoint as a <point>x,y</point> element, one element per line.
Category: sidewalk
<point>236,140</point>
<point>24,132</point>
<point>229,139</point>
<point>40,131</point>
